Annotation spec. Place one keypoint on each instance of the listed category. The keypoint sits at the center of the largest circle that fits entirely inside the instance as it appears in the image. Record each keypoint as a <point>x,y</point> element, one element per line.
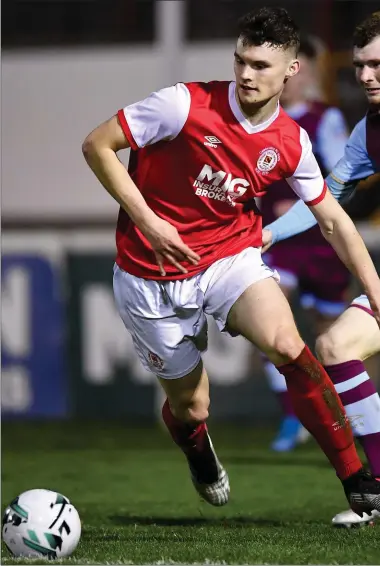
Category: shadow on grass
<point>229,523</point>
<point>277,460</point>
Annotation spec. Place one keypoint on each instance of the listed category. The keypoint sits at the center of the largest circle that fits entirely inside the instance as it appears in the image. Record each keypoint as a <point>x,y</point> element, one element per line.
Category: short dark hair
<point>270,25</point>
<point>367,30</point>
<point>307,48</point>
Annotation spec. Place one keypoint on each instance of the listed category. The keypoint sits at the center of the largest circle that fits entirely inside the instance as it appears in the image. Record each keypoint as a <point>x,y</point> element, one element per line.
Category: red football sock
<point>320,410</point>
<point>195,443</point>
<point>190,438</point>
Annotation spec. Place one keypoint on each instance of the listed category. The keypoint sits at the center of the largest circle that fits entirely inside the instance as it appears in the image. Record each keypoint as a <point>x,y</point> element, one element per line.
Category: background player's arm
<point>354,166</point>
<point>336,226</point>
<point>365,202</point>
<point>300,218</point>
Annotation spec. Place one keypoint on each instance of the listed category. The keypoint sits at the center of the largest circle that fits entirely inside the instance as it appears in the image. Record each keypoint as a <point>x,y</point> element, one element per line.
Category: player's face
<point>367,65</point>
<point>260,72</point>
<point>295,89</point>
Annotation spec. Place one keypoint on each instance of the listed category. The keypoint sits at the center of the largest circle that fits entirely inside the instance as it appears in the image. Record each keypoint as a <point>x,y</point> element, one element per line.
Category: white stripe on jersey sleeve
<point>307,181</point>
<point>355,163</point>
<point>160,116</point>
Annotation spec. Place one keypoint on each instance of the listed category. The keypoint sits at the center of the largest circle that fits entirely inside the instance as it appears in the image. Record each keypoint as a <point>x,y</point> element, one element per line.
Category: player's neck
<point>260,112</point>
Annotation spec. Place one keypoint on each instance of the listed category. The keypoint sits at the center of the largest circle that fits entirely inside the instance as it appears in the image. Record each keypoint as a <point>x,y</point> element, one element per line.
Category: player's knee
<point>198,413</point>
<point>287,346</point>
<point>330,348</point>
<point>194,410</point>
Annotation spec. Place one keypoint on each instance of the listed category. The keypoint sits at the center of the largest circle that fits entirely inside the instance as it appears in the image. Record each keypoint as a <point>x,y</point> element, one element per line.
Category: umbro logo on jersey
<point>212,141</point>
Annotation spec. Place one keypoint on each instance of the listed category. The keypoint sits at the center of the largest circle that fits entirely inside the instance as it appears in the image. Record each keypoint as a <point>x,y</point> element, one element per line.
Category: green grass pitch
<point>137,504</point>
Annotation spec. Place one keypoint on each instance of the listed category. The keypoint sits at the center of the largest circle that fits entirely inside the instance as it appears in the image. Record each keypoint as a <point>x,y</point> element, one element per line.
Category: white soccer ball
<point>42,523</point>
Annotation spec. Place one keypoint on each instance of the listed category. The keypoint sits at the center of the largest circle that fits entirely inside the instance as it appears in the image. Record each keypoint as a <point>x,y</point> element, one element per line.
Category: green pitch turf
<point>137,505</point>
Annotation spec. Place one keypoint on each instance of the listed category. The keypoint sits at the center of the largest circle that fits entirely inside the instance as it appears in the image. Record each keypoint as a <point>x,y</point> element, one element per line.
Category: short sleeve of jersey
<point>355,163</point>
<point>307,180</point>
<point>160,116</point>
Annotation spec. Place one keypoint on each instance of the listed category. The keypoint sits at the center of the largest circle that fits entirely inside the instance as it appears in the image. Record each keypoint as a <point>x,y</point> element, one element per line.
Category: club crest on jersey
<point>268,159</point>
<point>155,361</point>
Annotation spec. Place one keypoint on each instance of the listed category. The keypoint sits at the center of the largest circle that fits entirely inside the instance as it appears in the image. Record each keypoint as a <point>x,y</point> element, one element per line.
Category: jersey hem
<point>133,269</point>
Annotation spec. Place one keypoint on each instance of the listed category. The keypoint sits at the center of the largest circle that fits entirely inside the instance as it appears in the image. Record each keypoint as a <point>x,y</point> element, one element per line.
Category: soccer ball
<point>42,523</point>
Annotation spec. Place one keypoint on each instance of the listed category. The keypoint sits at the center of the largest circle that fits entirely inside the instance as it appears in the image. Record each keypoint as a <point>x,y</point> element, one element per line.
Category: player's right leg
<point>354,337</point>
<point>185,412</point>
<point>169,329</point>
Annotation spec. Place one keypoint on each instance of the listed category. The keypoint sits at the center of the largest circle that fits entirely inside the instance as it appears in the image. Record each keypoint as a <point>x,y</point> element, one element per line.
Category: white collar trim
<point>246,124</point>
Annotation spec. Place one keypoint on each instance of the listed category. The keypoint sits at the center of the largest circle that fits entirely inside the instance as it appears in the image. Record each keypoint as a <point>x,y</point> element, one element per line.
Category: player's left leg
<point>289,432</point>
<point>354,337</point>
<point>169,331</point>
<point>322,303</point>
<point>244,298</point>
<point>281,259</point>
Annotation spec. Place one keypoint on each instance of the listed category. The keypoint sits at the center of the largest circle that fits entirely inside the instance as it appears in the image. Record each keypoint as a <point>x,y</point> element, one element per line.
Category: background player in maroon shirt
<point>303,261</point>
<point>188,187</point>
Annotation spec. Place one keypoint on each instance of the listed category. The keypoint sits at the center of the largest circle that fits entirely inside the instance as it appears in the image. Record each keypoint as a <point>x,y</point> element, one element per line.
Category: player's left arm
<point>335,224</point>
<point>340,231</point>
<point>354,166</point>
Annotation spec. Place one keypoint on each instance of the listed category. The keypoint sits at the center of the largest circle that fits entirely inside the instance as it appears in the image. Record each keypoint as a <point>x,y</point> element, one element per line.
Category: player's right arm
<point>138,125</point>
<point>354,166</point>
<point>100,151</point>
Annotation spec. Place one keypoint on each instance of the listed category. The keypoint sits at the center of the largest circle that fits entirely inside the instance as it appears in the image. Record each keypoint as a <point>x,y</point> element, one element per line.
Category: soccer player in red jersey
<point>189,242</point>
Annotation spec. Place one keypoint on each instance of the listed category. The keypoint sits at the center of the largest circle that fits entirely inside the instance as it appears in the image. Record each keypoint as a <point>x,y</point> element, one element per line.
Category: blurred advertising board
<point>32,348</point>
<point>65,351</point>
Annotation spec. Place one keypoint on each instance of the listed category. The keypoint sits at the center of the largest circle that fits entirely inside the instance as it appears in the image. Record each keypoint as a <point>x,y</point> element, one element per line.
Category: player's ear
<point>293,68</point>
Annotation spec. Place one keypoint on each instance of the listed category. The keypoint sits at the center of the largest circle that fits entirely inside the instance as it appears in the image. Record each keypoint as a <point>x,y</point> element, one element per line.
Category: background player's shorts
<point>316,271</point>
<point>362,302</point>
<point>167,319</point>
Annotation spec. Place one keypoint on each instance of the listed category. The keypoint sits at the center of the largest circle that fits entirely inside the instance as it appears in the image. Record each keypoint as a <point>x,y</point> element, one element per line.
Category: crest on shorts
<point>155,360</point>
<point>268,159</point>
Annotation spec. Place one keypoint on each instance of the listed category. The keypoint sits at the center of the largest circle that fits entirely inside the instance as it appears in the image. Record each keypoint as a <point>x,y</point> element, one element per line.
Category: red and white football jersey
<point>199,163</point>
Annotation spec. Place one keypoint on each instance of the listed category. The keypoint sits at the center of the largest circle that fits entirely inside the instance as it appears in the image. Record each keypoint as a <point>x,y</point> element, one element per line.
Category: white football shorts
<point>167,318</point>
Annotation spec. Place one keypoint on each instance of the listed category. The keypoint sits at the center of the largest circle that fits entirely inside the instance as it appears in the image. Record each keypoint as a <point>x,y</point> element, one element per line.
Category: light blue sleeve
<point>354,166</point>
<point>298,219</point>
